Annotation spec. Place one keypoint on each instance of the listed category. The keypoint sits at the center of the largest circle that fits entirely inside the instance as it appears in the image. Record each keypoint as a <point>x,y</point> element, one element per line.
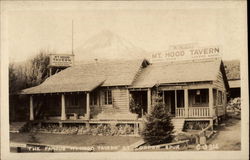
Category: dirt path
<point>228,135</point>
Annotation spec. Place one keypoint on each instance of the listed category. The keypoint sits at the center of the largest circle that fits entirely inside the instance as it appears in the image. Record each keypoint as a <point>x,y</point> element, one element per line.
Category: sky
<point>31,26</point>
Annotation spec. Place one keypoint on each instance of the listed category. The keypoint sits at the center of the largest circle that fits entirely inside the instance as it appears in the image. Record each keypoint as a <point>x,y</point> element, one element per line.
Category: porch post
<point>217,102</point>
<point>186,102</point>
<point>211,101</point>
<point>92,98</point>
<point>87,106</point>
<point>175,101</point>
<point>98,98</point>
<point>149,100</point>
<point>63,112</point>
<point>31,108</point>
<point>128,102</point>
<point>163,97</point>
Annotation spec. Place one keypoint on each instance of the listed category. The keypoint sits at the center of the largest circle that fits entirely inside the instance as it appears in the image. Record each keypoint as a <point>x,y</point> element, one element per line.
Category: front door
<point>170,101</point>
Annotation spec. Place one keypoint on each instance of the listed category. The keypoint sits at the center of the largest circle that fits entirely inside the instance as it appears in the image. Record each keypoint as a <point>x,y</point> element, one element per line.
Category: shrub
<point>134,107</point>
<point>159,128</point>
<point>195,125</point>
<point>100,129</point>
<point>234,104</point>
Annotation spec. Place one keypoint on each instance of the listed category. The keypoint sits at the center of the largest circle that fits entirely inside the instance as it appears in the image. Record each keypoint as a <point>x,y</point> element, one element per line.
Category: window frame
<point>93,98</point>
<point>108,97</point>
<point>219,101</point>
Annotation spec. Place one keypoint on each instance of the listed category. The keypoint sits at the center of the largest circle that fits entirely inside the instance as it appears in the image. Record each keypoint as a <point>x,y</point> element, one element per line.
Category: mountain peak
<point>107,33</point>
<point>108,45</point>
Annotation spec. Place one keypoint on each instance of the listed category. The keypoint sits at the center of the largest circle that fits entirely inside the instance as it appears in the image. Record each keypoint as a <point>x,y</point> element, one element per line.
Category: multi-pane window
<point>219,98</point>
<point>201,96</point>
<point>107,97</point>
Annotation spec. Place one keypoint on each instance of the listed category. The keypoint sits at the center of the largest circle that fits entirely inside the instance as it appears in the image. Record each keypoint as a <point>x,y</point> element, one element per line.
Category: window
<point>201,96</point>
<point>93,98</point>
<point>180,98</point>
<point>73,101</point>
<point>107,97</point>
<point>219,98</point>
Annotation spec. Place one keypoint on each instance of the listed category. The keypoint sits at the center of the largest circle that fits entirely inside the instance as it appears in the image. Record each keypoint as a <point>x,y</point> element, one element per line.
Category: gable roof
<point>86,77</point>
<point>178,72</point>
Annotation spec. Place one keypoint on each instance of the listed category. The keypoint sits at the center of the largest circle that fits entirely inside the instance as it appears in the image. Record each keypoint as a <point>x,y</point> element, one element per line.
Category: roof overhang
<point>49,89</point>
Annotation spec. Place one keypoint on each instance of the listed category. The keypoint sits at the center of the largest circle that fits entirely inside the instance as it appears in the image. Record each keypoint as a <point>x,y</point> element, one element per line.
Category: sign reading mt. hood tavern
<point>187,54</point>
<point>61,60</point>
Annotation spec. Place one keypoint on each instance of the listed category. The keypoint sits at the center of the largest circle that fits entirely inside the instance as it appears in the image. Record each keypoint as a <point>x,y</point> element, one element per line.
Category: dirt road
<point>228,136</point>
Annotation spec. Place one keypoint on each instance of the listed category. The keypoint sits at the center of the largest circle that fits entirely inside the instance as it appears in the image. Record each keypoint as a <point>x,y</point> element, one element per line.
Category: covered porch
<point>187,102</point>
<point>180,101</point>
<point>60,106</point>
<point>101,103</point>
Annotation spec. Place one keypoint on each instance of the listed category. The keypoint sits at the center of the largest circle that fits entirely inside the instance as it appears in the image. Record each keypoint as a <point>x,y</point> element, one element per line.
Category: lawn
<point>73,140</point>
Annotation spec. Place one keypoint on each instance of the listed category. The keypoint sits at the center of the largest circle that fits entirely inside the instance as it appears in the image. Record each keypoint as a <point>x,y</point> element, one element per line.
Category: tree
<point>30,73</point>
<point>135,107</point>
<point>24,75</point>
<point>159,128</point>
<point>37,69</point>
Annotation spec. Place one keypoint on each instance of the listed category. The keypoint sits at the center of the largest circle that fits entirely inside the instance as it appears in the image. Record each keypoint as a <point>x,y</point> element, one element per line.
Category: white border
<point>5,154</point>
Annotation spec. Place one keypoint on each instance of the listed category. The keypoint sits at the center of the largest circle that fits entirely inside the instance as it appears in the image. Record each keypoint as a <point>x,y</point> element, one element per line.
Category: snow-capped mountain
<point>107,45</point>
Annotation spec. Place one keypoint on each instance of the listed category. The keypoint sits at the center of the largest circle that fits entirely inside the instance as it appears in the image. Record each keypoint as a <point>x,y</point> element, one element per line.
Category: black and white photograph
<point>124,80</point>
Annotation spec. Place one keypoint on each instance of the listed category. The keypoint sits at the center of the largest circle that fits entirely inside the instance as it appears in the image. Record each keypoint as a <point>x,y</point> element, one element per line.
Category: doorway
<point>174,99</point>
<point>169,97</point>
<point>138,102</point>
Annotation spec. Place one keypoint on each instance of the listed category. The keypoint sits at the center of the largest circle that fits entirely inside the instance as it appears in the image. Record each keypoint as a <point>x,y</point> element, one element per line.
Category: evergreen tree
<point>159,128</point>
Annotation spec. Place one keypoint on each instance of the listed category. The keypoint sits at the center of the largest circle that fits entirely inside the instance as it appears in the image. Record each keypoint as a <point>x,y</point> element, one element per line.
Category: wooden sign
<point>187,54</point>
<point>61,60</point>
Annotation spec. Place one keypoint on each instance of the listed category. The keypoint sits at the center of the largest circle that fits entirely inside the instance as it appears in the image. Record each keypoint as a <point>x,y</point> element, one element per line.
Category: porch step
<point>178,124</point>
<point>16,127</point>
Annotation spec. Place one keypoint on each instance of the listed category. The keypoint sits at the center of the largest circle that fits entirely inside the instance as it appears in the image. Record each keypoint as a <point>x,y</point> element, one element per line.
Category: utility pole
<point>72,37</point>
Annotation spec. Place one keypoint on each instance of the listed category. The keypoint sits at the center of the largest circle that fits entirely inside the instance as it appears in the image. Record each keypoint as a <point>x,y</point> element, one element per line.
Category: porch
<point>189,103</point>
<point>181,102</point>
<point>99,104</point>
<point>192,103</point>
<point>115,104</point>
<point>193,112</point>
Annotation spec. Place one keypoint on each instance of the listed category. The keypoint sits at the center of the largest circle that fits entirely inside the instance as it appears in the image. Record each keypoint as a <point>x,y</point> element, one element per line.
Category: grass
<point>73,140</point>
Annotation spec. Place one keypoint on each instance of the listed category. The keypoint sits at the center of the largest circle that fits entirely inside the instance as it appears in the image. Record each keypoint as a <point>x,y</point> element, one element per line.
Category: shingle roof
<point>178,72</point>
<point>86,77</point>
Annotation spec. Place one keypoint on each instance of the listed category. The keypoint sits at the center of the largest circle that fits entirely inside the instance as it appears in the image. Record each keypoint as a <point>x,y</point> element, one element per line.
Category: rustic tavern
<point>104,92</point>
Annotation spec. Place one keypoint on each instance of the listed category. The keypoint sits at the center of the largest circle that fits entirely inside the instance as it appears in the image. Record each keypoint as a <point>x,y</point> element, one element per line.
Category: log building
<point>101,92</point>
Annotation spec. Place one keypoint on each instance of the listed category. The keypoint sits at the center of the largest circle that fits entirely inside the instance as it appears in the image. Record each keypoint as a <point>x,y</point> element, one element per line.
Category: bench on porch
<point>73,116</point>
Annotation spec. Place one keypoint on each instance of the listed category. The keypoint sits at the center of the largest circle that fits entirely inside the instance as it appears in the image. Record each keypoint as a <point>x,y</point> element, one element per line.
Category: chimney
<point>96,60</point>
